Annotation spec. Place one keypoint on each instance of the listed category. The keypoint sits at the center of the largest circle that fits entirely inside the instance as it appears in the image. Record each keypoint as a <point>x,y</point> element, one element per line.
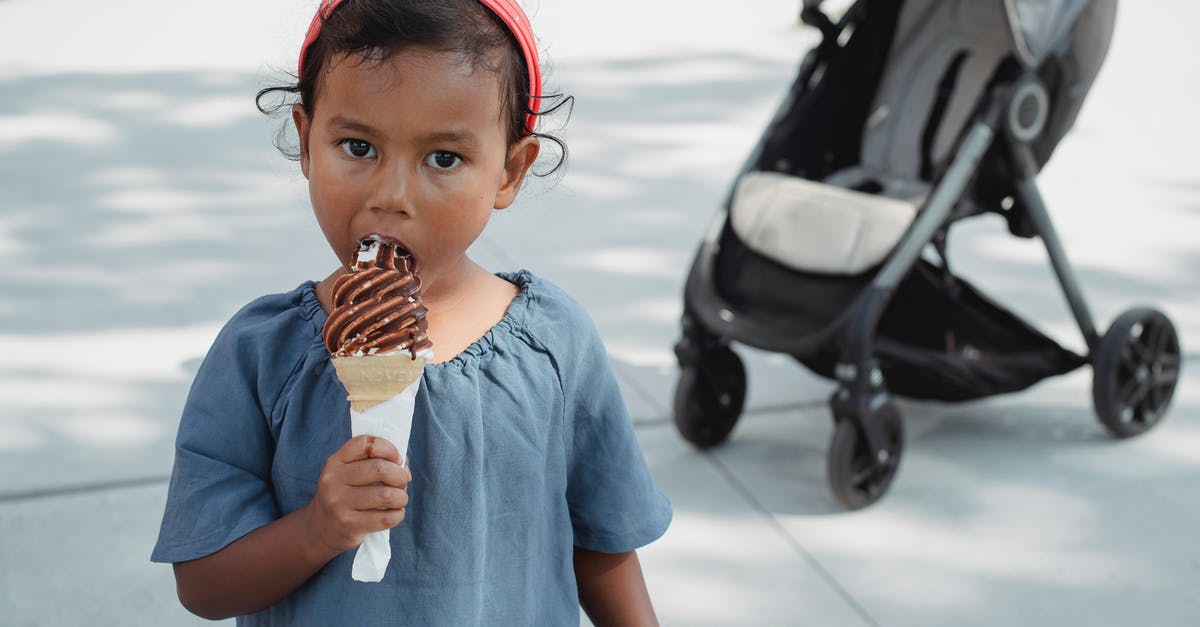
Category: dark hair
<point>377,29</point>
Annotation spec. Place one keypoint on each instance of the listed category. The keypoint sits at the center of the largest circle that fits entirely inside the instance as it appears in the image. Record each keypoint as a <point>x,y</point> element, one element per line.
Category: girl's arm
<point>361,489</point>
<point>253,572</point>
<point>612,590</point>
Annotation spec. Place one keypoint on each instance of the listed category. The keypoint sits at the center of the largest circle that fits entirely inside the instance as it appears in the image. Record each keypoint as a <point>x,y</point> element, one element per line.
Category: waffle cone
<point>373,379</point>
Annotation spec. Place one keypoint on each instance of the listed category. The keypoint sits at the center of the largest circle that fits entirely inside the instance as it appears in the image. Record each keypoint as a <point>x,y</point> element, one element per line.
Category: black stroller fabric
<point>951,342</point>
<point>939,339</point>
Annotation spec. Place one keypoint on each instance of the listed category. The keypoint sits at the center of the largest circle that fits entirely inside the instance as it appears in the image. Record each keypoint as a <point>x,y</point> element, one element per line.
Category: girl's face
<point>413,148</point>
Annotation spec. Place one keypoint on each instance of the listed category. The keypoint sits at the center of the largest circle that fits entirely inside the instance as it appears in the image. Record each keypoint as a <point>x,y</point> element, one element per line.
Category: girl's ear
<point>302,128</point>
<point>521,156</point>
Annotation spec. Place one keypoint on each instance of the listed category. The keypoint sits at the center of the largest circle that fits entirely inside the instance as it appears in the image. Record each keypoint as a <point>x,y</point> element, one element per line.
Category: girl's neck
<point>448,290</point>
<point>465,308</point>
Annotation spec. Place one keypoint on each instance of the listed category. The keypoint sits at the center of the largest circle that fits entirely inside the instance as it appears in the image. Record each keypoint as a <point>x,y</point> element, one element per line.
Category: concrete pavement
<point>138,154</point>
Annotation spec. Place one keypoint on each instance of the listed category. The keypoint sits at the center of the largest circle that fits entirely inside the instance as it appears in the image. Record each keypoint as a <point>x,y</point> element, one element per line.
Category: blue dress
<point>521,450</point>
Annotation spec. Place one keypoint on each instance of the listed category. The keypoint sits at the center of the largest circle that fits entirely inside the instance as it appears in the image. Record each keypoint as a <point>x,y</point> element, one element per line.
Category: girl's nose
<point>391,190</point>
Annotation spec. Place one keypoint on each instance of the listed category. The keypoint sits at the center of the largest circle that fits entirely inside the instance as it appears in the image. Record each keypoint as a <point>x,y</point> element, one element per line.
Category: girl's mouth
<point>385,251</point>
<point>369,241</point>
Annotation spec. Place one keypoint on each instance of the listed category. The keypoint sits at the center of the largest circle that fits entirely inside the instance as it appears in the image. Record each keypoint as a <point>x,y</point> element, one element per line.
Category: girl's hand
<point>362,488</point>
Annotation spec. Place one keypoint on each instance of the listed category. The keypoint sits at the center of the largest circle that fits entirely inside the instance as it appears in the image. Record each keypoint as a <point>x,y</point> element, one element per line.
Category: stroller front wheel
<point>1134,372</point>
<point>709,397</point>
<point>857,477</point>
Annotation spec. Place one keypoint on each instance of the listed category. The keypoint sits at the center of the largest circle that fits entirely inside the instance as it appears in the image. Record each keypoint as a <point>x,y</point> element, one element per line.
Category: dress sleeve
<point>220,486</point>
<point>615,506</point>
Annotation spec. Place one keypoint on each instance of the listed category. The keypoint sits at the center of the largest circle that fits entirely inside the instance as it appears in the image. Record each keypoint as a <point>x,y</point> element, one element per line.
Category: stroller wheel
<point>856,477</point>
<point>709,397</point>
<point>1134,371</point>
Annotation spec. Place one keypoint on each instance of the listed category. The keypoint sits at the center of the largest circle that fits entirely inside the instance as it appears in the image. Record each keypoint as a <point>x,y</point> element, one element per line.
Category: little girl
<point>525,494</point>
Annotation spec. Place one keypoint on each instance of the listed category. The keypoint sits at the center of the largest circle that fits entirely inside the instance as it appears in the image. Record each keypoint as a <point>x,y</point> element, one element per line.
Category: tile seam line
<point>638,388</point>
<point>73,490</point>
<point>137,482</point>
<point>808,557</point>
<point>665,418</point>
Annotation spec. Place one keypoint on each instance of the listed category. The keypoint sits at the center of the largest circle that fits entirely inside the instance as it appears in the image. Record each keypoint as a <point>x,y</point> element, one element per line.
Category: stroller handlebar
<point>811,14</point>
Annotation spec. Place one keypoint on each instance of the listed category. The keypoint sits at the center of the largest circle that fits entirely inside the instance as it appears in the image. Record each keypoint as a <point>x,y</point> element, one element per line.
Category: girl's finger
<point>380,520</point>
<point>377,497</point>
<point>374,471</point>
<point>367,447</point>
<point>373,520</point>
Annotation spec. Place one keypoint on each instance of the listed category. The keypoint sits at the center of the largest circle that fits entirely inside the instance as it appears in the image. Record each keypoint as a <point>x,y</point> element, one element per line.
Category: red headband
<point>508,11</point>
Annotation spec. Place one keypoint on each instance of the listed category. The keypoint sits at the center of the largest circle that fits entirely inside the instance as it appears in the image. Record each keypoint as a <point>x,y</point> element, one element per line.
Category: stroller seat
<point>943,56</point>
<point>816,227</point>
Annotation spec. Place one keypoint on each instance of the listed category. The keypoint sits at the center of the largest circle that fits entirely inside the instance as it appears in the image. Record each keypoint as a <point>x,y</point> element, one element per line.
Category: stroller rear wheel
<point>1135,369</point>
<point>856,477</point>
<point>709,396</point>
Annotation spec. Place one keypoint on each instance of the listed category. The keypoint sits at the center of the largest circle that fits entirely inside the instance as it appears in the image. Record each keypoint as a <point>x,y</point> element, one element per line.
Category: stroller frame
<point>866,447</point>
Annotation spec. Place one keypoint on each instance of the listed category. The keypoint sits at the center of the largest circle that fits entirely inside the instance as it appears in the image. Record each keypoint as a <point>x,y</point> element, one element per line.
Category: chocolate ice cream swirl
<point>377,305</point>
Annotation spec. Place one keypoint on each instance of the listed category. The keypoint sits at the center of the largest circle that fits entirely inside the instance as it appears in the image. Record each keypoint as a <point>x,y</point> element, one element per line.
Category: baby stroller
<point>908,116</point>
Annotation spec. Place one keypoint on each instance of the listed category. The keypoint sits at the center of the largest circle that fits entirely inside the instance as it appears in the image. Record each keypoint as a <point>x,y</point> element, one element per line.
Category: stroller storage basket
<point>940,338</point>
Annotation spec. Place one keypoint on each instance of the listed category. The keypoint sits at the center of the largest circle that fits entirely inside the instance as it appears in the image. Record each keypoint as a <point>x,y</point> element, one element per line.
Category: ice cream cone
<point>374,379</point>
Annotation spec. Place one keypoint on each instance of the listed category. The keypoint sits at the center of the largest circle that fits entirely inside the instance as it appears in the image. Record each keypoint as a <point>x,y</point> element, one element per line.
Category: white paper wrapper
<point>392,421</point>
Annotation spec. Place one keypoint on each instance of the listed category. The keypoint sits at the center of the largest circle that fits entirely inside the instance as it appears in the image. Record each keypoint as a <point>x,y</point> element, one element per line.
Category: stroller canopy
<point>1038,26</point>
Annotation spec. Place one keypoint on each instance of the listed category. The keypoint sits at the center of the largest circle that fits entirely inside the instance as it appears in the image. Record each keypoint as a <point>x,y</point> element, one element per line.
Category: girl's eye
<point>443,160</point>
<point>358,148</point>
